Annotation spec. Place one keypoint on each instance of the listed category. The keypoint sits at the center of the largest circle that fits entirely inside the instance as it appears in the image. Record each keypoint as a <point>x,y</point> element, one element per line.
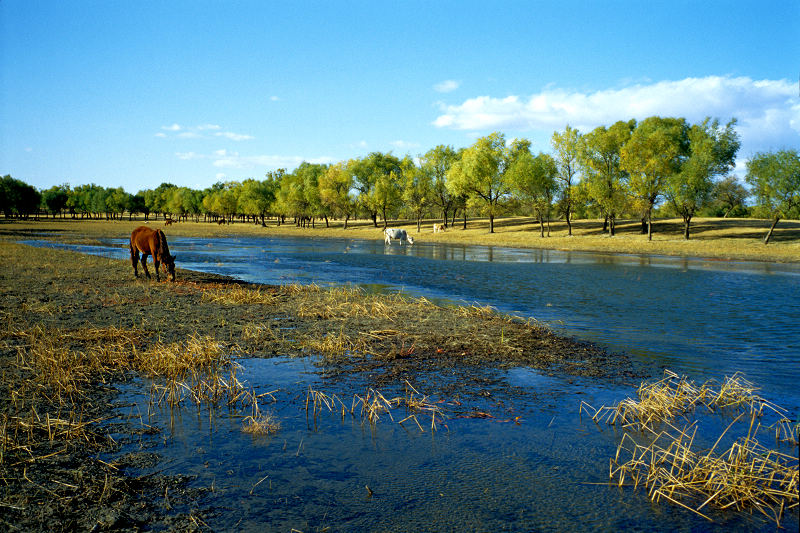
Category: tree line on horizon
<point>661,166</point>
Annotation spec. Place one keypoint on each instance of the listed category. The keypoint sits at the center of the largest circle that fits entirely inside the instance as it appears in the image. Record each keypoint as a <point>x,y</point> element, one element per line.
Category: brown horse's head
<point>168,265</point>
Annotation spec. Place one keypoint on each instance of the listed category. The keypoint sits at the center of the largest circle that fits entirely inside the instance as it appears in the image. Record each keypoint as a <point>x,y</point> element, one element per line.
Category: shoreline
<point>712,239</point>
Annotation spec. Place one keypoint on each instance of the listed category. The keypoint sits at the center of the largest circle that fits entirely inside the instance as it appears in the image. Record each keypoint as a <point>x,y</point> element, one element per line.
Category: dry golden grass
<point>266,424</point>
<point>239,294</point>
<point>746,476</point>
<point>373,404</point>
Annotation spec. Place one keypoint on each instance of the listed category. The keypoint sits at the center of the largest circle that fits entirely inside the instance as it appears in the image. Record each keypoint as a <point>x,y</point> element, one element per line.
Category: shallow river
<point>704,318</point>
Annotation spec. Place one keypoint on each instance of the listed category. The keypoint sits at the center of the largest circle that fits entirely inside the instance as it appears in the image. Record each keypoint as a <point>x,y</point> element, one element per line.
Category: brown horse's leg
<point>144,265</point>
<point>156,265</point>
<point>135,260</point>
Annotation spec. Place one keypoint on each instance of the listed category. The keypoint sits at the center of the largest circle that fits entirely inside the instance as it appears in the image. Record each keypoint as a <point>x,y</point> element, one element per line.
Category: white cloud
<point>201,132</point>
<point>404,145</point>
<point>186,156</point>
<point>768,111</point>
<point>274,98</point>
<point>446,86</point>
<point>230,159</point>
<point>233,136</point>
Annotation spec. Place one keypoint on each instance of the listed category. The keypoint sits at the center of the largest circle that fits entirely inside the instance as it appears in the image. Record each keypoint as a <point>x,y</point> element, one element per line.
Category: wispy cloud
<point>202,131</point>
<point>233,136</point>
<point>768,111</point>
<point>232,159</point>
<point>447,86</point>
<point>404,145</point>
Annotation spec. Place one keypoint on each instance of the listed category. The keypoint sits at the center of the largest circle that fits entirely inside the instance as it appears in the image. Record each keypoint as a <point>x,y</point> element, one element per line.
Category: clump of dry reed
<point>369,408</point>
<point>335,345</point>
<point>746,476</point>
<point>266,424</point>
<point>416,403</point>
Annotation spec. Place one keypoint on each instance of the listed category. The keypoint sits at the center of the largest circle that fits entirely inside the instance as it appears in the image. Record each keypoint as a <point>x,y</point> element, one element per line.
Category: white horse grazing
<point>397,233</point>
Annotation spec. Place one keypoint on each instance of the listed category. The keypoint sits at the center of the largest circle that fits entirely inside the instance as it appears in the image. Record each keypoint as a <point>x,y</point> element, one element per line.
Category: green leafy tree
<point>480,174</point>
<point>273,183</point>
<point>533,183</point>
<point>310,173</point>
<point>117,201</point>
<point>334,191</point>
<point>728,198</point>
<point>55,199</point>
<point>712,153</point>
<point>775,181</point>
<point>655,151</point>
<point>256,199</point>
<point>138,205</point>
<point>436,163</point>
<point>18,198</point>
<point>605,180</point>
<point>568,147</point>
<point>291,199</point>
<point>377,180</point>
<point>417,189</point>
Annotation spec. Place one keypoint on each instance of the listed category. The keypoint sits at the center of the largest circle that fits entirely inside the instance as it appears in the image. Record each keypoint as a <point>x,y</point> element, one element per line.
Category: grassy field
<point>725,239</point>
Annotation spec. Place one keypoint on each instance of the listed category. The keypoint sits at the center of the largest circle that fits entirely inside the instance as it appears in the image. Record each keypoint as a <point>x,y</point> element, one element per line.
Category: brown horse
<point>151,242</point>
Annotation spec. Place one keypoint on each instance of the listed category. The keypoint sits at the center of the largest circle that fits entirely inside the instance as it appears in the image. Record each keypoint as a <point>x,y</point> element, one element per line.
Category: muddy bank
<point>58,463</point>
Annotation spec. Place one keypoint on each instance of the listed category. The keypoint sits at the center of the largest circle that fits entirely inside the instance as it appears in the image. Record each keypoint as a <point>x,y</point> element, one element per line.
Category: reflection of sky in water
<point>473,474</point>
<point>711,318</point>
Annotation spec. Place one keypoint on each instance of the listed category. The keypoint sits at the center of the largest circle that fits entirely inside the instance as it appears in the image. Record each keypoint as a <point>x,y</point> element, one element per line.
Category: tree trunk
<point>605,224</point>
<point>465,218</point>
<point>649,225</point>
<point>491,223</point>
<point>569,224</point>
<point>686,222</point>
<point>771,228</point>
<point>612,226</point>
<point>346,218</point>
<point>541,226</point>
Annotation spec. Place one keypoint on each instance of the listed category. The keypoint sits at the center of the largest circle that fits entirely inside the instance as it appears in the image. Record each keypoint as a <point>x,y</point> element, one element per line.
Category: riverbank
<point>715,238</point>
<point>75,327</point>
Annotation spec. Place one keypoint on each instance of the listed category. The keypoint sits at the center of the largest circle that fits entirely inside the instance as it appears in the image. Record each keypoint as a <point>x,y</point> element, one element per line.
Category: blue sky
<point>133,94</point>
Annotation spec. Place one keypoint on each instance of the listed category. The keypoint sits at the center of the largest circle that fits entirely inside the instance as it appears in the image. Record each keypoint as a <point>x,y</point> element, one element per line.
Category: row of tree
<point>626,169</point>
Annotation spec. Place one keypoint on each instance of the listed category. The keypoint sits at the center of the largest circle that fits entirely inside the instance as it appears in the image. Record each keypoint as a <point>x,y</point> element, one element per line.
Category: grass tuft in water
<point>746,476</point>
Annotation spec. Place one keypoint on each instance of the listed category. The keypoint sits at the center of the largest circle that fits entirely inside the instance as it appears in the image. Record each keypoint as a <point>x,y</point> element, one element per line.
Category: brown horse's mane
<point>162,245</point>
